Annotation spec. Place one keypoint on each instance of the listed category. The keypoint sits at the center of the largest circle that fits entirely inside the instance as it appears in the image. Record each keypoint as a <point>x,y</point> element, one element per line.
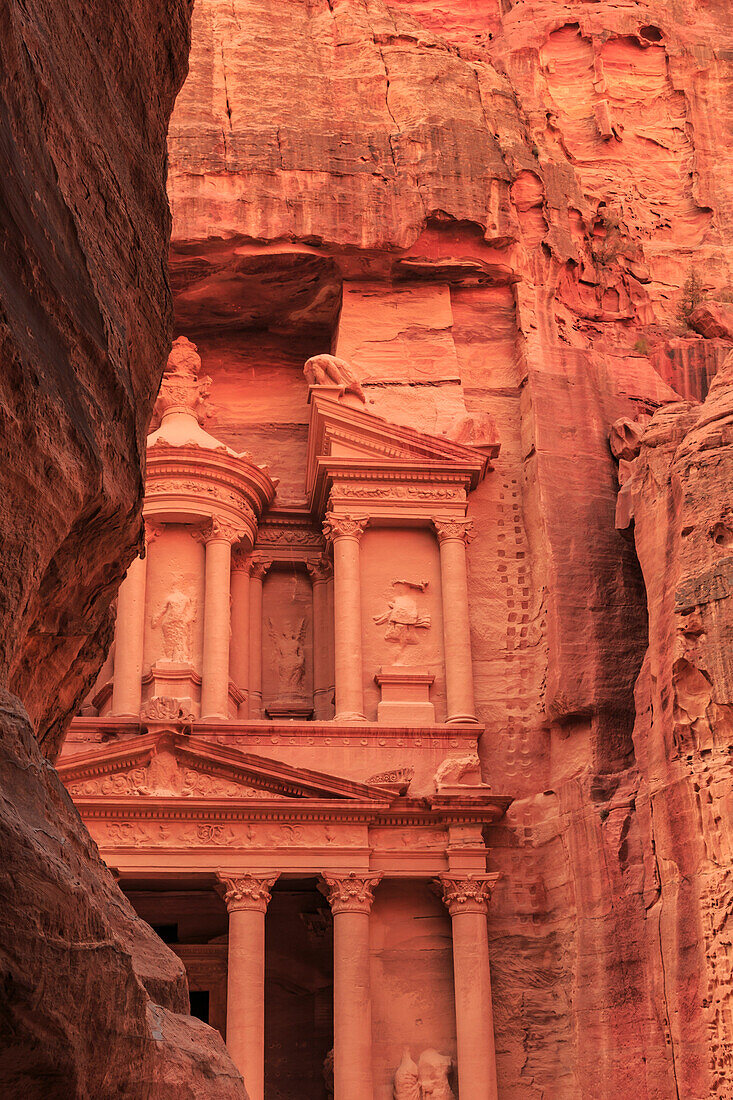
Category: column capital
<point>466,893</point>
<point>454,529</point>
<point>320,570</point>
<point>152,529</point>
<point>241,560</point>
<point>259,569</point>
<point>218,530</point>
<point>340,527</point>
<point>352,892</point>
<point>247,891</point>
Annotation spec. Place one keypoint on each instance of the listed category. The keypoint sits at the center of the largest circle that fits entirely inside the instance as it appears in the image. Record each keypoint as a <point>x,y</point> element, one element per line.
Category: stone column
<point>247,897</point>
<point>346,532</point>
<point>129,637</point>
<point>320,574</point>
<point>257,574</point>
<point>218,537</point>
<point>467,901</point>
<point>452,538</point>
<point>350,897</point>
<point>239,649</point>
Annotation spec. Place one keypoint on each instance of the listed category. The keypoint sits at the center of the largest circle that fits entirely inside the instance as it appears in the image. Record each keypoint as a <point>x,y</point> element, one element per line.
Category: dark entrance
<point>298,991</point>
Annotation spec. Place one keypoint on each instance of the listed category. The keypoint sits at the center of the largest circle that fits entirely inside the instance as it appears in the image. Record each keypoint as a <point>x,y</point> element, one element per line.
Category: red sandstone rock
<point>713,320</point>
<point>91,1003</point>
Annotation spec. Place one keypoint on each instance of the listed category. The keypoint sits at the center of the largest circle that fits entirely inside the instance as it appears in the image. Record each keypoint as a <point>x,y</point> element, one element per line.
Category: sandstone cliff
<point>513,209</point>
<point>91,1003</point>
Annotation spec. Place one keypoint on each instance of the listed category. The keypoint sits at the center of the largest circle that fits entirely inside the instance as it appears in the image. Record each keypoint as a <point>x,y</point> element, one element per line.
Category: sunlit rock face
<point>91,1003</point>
<point>500,210</point>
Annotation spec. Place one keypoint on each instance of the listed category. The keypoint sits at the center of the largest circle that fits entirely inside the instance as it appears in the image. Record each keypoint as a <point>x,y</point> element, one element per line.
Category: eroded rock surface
<point>91,1003</point>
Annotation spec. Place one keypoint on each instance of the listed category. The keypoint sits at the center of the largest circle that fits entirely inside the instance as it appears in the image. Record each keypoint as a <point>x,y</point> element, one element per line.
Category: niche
<point>287,644</point>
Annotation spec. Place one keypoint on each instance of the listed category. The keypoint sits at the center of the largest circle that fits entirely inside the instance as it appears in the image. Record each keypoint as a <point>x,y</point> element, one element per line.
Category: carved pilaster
<point>341,527</point>
<point>352,892</point>
<point>454,529</point>
<point>466,893</point>
<point>247,891</point>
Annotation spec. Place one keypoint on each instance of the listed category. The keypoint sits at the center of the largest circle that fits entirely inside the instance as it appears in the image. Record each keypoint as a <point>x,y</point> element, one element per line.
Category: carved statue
<point>329,370</point>
<point>406,1082</point>
<point>434,1069</point>
<point>290,652</point>
<point>403,618</point>
<point>176,617</point>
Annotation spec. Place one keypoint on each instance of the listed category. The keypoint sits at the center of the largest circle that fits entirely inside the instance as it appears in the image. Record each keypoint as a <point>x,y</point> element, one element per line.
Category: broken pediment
<point>172,765</point>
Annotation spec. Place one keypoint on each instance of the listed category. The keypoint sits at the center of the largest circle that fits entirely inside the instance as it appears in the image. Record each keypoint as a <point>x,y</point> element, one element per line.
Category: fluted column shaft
<point>452,538</point>
<point>345,533</point>
<point>258,572</point>
<point>247,897</point>
<point>129,637</point>
<point>467,900</point>
<point>320,574</point>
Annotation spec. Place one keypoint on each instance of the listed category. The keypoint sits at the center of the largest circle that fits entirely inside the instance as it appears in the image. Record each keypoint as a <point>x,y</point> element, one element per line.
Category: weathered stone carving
<point>433,1070</point>
<point>181,387</point>
<point>398,777</point>
<point>329,370</point>
<point>403,617</point>
<point>458,770</point>
<point>406,1082</point>
<point>290,657</point>
<point>335,526</point>
<point>176,618</point>
<point>218,528</point>
<point>466,894</point>
<point>247,891</point>
<point>454,529</point>
<point>352,893</point>
<point>165,708</point>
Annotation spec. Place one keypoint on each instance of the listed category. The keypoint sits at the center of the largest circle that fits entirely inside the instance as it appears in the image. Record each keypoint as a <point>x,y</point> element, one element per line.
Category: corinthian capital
<point>454,529</point>
<point>351,893</point>
<point>336,527</point>
<point>219,529</point>
<point>247,891</point>
<point>259,569</point>
<point>466,893</point>
<point>320,570</point>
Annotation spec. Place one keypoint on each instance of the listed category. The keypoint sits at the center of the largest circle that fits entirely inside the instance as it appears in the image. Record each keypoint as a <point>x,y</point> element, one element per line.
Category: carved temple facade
<point>279,758</point>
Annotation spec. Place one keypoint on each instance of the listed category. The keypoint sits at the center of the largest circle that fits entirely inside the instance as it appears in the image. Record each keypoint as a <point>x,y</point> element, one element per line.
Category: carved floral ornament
<point>247,891</point>
<point>219,530</point>
<point>336,526</point>
<point>320,570</point>
<point>466,893</point>
<point>352,892</point>
<point>454,529</point>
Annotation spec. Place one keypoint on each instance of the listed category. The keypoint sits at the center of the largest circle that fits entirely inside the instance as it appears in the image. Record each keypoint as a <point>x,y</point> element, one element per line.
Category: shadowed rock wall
<point>514,197</point>
<point>91,1002</point>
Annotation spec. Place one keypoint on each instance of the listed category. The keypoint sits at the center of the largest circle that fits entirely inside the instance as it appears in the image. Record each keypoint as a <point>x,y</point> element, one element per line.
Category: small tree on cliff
<point>692,295</point>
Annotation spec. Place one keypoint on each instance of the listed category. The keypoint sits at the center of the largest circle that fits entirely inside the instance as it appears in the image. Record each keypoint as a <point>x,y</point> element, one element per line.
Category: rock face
<point>495,210</point>
<point>92,1004</point>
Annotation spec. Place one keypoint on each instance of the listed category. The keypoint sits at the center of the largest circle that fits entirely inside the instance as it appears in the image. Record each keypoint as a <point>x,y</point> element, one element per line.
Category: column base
<point>462,719</point>
<point>350,717</point>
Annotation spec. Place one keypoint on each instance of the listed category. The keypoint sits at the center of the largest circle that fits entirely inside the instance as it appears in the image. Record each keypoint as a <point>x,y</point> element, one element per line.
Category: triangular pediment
<point>341,433</point>
<point>173,765</point>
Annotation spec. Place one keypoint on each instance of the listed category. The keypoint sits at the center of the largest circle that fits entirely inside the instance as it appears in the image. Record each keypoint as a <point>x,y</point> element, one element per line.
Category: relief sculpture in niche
<point>403,617</point>
<point>176,618</point>
<point>289,646</point>
<point>428,1080</point>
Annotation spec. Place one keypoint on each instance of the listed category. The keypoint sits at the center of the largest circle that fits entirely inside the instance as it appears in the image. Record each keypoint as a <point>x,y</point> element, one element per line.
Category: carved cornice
<point>339,527</point>
<point>352,892</point>
<point>247,891</point>
<point>466,893</point>
<point>454,529</point>
<point>218,530</point>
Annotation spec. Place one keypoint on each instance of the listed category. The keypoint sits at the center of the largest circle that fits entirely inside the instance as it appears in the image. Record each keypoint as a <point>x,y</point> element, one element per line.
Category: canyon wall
<point>511,210</point>
<point>91,1004</point>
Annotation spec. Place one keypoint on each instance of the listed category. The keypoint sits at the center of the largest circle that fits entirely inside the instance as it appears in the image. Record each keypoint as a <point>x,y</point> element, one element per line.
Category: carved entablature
<point>289,537</point>
<point>191,475</point>
<point>360,462</point>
